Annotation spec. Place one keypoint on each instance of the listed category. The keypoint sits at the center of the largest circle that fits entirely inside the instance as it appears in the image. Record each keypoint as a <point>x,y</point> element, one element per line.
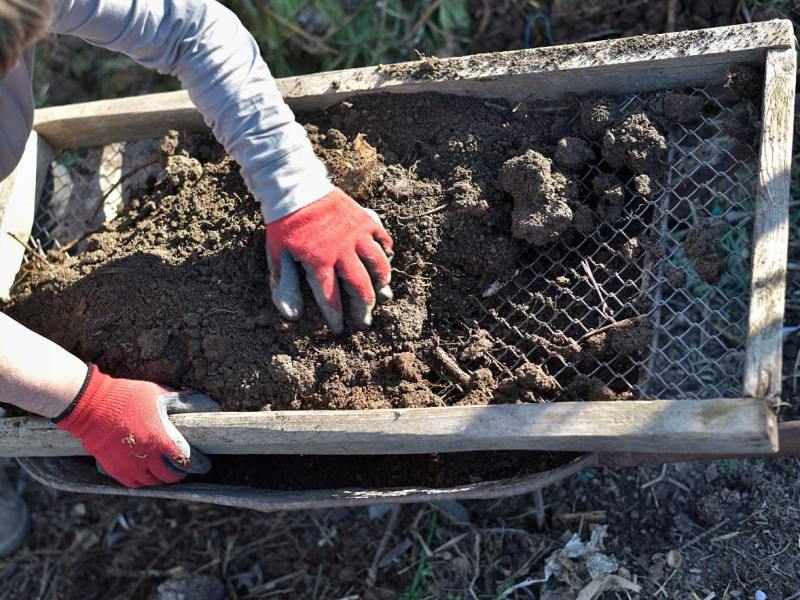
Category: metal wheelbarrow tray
<point>722,405</point>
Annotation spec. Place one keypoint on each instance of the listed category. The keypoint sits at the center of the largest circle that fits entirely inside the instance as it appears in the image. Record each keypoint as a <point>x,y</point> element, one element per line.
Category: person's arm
<point>16,113</point>
<point>36,374</point>
<point>218,62</point>
<point>122,423</point>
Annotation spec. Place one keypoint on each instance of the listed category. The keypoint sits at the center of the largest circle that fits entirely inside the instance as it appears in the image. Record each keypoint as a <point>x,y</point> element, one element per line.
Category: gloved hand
<point>124,425</point>
<point>333,239</point>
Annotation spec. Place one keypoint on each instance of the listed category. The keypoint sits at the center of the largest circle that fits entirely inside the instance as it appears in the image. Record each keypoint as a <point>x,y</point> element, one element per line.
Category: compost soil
<point>176,289</point>
<point>308,472</point>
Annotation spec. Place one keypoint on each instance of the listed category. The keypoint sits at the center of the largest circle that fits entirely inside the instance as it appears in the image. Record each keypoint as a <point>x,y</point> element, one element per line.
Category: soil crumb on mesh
<point>744,81</point>
<point>595,115</point>
<point>594,389</point>
<point>676,278</point>
<point>702,245</point>
<point>573,153</point>
<point>683,108</point>
<point>624,338</point>
<point>631,249</point>
<point>643,185</point>
<point>611,197</point>
<point>541,198</point>
<point>636,144</point>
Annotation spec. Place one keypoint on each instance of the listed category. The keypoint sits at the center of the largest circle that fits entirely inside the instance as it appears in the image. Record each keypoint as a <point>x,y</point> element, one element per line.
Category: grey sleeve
<point>218,62</point>
<point>16,113</point>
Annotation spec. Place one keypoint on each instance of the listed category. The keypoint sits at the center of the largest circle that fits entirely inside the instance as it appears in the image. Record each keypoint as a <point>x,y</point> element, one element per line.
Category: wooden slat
<point>18,194</point>
<point>763,361</point>
<point>608,66</point>
<point>789,445</point>
<point>737,426</point>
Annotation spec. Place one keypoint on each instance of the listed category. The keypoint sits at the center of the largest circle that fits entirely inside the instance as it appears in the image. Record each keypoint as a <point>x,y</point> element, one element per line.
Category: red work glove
<point>124,425</point>
<point>333,239</point>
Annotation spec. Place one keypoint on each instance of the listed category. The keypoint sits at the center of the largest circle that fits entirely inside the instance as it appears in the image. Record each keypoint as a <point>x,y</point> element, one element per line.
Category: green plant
<point>423,571</point>
<point>322,35</point>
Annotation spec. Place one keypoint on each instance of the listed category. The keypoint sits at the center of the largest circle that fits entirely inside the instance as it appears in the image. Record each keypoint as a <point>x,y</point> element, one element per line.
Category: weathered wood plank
<point>18,194</point>
<point>789,445</point>
<point>737,426</point>
<point>609,66</point>
<point>763,360</point>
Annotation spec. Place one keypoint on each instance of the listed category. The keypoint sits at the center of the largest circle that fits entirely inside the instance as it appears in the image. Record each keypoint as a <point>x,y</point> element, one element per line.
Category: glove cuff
<point>102,402</point>
<point>90,369</point>
<point>293,183</point>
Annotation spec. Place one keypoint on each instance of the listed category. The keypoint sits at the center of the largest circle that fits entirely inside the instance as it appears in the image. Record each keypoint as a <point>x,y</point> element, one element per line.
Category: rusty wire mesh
<point>558,297</point>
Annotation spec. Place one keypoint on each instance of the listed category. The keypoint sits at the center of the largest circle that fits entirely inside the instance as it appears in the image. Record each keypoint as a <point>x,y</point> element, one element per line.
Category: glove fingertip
<point>286,294</point>
<point>290,309</point>
<point>201,403</point>
<point>335,321</point>
<point>197,464</point>
<point>384,294</point>
<point>201,464</point>
<point>327,298</point>
<point>360,306</point>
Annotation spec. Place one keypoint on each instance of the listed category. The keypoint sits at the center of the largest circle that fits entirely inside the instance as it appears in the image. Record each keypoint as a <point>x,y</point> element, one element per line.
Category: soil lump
<point>635,144</point>
<point>541,198</point>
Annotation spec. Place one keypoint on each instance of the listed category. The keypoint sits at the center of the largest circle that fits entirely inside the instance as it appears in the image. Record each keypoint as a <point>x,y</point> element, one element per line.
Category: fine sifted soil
<point>176,290</point>
<point>308,472</point>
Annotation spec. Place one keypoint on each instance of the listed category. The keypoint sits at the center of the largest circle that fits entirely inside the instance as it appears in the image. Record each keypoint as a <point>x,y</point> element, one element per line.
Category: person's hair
<point>22,22</point>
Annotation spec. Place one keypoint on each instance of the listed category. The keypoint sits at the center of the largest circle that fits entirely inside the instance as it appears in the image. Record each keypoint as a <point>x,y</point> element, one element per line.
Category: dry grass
<point>682,529</point>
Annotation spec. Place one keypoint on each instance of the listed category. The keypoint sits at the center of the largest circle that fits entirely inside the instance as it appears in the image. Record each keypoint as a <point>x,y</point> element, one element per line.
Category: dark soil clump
<point>741,125</point>
<point>744,81</point>
<point>595,390</point>
<point>573,153</point>
<point>541,198</point>
<point>703,247</point>
<point>676,278</point>
<point>611,194</point>
<point>683,108</point>
<point>635,144</point>
<point>628,337</point>
<point>595,116</point>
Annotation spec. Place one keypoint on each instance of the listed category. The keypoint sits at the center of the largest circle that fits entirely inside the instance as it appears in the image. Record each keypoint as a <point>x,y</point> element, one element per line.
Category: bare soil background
<point>727,528</point>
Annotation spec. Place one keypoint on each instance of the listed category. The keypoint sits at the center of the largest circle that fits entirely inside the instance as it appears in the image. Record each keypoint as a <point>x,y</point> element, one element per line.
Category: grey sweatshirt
<point>218,62</point>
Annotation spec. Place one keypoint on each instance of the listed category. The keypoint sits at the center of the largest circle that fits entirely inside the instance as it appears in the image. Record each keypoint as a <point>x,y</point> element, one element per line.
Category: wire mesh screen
<point>691,334</point>
<point>89,186</point>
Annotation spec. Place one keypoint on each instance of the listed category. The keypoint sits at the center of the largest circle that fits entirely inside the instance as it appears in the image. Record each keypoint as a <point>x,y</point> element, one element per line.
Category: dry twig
<point>372,572</point>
